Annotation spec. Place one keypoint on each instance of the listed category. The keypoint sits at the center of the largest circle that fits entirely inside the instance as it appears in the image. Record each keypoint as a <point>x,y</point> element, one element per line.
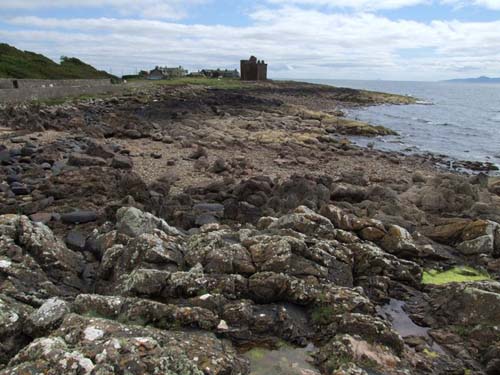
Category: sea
<point>459,120</point>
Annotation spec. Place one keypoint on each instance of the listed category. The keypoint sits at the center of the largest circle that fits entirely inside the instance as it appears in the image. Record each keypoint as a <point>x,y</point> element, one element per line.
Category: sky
<point>299,39</point>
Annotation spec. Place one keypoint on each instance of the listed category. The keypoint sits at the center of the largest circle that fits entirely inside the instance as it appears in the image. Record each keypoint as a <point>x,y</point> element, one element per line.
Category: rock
<point>345,352</point>
<point>157,137</point>
<point>132,134</point>
<point>372,234</point>
<point>272,254</point>
<point>42,217</point>
<point>133,222</point>
<point>121,162</point>
<point>219,166</point>
<point>104,151</point>
<point>199,153</point>
<point>82,160</point>
<point>447,233</point>
<point>418,177</point>
<point>19,189</point>
<point>478,238</point>
<point>5,157</point>
<point>214,209</point>
<point>79,217</point>
<point>47,318</point>
<point>13,315</point>
<point>156,155</point>
<point>399,241</point>
<point>304,220</point>
<point>494,188</point>
<point>467,304</point>
<point>76,240</point>
<point>480,245</point>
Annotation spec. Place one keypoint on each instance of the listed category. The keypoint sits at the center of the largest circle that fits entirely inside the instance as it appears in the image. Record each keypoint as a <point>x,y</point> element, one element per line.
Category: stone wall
<point>38,89</point>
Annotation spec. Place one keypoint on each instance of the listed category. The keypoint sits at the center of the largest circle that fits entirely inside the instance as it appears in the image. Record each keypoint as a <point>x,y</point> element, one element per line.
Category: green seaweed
<point>453,275</point>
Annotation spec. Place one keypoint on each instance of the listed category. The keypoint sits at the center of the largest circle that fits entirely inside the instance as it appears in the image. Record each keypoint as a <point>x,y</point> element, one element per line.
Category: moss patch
<point>453,275</point>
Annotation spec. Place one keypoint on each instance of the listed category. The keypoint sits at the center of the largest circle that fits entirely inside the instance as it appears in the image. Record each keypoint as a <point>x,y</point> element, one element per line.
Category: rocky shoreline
<point>194,230</point>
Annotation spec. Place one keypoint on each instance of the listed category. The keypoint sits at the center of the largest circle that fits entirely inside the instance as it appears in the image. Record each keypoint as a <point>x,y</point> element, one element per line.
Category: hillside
<point>15,63</point>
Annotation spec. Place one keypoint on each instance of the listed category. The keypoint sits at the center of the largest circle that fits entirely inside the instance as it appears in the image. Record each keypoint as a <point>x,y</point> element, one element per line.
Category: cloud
<point>489,4</point>
<point>366,5</point>
<point>297,42</point>
<point>374,5</point>
<point>153,9</point>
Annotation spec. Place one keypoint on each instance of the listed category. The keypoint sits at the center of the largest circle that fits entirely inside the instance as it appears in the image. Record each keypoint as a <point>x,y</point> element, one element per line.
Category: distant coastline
<point>482,79</point>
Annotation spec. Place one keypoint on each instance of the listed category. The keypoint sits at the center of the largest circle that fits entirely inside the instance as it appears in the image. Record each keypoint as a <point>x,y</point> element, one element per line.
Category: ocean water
<point>460,120</point>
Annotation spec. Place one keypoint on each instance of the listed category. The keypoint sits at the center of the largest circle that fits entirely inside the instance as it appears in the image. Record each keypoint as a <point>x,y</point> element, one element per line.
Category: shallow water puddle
<point>400,320</point>
<point>402,323</point>
<point>286,360</point>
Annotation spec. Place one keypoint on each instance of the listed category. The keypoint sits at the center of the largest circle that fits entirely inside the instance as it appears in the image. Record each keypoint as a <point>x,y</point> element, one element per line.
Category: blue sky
<point>337,39</point>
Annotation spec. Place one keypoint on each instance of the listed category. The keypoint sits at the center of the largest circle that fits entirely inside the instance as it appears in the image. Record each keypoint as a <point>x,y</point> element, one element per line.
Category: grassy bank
<point>19,64</point>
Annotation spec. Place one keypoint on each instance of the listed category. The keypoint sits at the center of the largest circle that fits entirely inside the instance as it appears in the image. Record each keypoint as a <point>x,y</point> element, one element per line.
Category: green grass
<point>454,275</point>
<point>15,63</point>
<point>223,83</point>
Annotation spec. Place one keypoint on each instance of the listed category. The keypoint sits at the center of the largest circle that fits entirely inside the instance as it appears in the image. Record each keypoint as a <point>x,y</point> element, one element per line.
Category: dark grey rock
<point>19,189</point>
<point>79,217</point>
<point>121,162</point>
<point>76,240</point>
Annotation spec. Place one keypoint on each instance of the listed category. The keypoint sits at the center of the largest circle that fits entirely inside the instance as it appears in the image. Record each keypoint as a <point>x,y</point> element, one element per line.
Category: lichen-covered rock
<point>47,318</point>
<point>345,353</point>
<point>478,238</point>
<point>304,220</point>
<point>370,260</point>
<point>467,304</point>
<point>398,241</point>
<point>219,252</point>
<point>13,315</point>
<point>98,346</point>
<point>34,264</point>
<point>134,222</point>
<point>145,312</point>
